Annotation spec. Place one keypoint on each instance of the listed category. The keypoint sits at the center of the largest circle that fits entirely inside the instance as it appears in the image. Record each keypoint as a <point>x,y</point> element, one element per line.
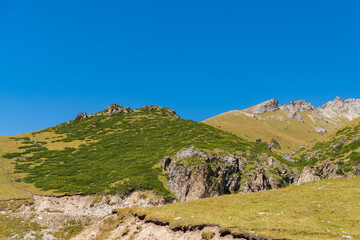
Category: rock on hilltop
<point>268,106</point>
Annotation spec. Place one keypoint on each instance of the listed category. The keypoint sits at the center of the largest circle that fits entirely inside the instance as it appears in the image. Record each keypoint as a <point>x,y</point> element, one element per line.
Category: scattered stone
<point>271,162</point>
<point>274,144</point>
<point>322,119</point>
<point>297,116</point>
<point>301,147</point>
<point>259,140</point>
<point>356,138</point>
<point>288,157</point>
<point>321,130</point>
<point>339,143</point>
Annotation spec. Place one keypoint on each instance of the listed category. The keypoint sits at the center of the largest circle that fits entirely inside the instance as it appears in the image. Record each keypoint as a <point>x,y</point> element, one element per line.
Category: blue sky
<point>201,58</point>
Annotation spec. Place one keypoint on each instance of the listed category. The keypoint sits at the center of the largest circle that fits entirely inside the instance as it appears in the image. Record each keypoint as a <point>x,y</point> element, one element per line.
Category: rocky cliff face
<point>352,105</point>
<point>194,174</point>
<point>326,169</point>
<point>300,106</point>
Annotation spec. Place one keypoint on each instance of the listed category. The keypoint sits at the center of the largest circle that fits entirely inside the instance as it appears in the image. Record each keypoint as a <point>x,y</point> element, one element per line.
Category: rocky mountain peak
<point>267,106</point>
<point>300,106</point>
<point>351,104</point>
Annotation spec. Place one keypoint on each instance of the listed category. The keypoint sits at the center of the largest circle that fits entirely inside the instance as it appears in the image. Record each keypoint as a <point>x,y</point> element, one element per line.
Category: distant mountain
<point>292,125</point>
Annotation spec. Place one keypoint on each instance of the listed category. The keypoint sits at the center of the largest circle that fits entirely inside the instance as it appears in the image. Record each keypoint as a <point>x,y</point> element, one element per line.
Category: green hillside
<point>107,153</point>
<point>342,147</point>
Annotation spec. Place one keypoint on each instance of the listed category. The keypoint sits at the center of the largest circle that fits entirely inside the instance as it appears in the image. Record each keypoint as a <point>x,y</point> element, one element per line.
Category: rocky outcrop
<point>339,143</point>
<point>267,106</point>
<point>321,130</point>
<point>300,106</point>
<point>160,110</point>
<point>116,108</point>
<point>352,105</point>
<point>194,174</point>
<point>288,157</point>
<point>308,174</point>
<point>327,169</point>
<point>296,116</point>
<point>274,144</point>
<point>81,116</point>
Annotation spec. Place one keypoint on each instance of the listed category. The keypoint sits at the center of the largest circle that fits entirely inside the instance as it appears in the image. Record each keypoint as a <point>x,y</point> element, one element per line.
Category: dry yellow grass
<point>290,133</point>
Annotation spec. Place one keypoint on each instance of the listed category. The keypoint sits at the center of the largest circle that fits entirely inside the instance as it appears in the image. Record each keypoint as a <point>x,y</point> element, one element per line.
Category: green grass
<point>326,209</point>
<point>346,155</point>
<point>119,153</point>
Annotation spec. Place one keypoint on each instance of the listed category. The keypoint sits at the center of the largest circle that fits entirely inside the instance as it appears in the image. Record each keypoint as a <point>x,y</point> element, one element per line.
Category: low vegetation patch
<point>121,152</point>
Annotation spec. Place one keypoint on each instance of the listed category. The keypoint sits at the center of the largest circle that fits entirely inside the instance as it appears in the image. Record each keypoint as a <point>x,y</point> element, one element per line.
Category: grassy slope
<point>105,154</point>
<point>346,155</point>
<point>326,209</point>
<point>290,133</point>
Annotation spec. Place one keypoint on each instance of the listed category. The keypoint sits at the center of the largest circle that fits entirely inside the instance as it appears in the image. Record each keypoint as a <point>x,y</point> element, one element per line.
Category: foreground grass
<point>328,209</point>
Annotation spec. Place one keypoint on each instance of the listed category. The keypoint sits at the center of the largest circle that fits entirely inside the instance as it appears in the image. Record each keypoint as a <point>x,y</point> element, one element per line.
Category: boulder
<point>81,116</point>
<point>321,130</point>
<point>307,175</point>
<point>259,140</point>
<point>116,108</point>
<point>274,144</point>
<point>288,157</point>
<point>296,116</point>
<point>339,143</point>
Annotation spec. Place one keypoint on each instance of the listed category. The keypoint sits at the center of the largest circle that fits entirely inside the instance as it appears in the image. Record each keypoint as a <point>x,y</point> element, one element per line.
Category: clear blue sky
<point>200,58</point>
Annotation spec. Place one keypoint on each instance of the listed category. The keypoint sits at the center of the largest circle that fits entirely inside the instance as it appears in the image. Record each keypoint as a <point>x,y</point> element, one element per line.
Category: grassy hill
<point>341,146</point>
<point>327,209</point>
<point>289,132</point>
<point>106,154</point>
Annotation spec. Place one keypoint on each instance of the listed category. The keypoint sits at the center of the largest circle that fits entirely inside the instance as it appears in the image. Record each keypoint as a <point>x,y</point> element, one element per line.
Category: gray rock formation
<point>81,116</point>
<point>352,105</point>
<point>267,106</point>
<point>300,106</point>
<point>308,174</point>
<point>320,130</point>
<point>274,144</point>
<point>327,169</point>
<point>288,157</point>
<point>339,143</point>
<point>296,116</point>
<point>116,108</point>
<point>194,174</point>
